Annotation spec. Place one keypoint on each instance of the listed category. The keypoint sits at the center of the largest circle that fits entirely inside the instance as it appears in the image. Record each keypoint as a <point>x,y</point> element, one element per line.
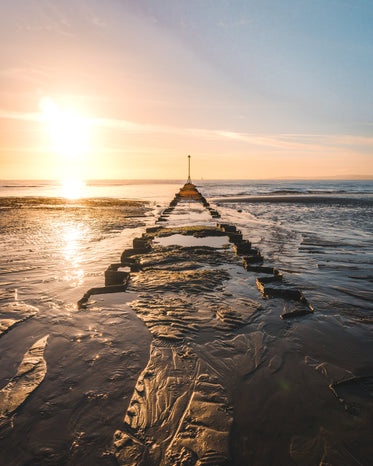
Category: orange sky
<point>112,89</point>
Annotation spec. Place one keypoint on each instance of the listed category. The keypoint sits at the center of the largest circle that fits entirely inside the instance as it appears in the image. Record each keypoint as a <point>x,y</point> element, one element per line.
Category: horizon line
<point>281,178</point>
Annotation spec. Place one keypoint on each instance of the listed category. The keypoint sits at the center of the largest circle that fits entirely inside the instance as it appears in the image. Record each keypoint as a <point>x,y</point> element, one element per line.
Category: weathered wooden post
<point>189,180</point>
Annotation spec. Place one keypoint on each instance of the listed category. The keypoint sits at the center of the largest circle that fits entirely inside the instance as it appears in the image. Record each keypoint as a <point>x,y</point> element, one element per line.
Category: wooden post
<point>189,180</point>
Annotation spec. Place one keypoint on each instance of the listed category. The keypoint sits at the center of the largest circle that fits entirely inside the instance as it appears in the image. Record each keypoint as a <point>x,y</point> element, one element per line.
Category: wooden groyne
<point>269,280</point>
<point>181,410</point>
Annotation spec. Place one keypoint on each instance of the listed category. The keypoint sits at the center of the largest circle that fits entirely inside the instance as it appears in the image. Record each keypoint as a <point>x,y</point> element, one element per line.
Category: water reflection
<point>72,237</point>
<point>72,188</point>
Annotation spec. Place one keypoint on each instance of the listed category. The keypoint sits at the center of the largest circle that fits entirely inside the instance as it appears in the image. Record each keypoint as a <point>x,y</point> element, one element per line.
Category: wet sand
<point>192,364</point>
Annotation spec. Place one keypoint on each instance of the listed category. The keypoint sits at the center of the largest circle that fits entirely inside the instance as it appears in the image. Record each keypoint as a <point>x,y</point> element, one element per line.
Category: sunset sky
<point>128,88</point>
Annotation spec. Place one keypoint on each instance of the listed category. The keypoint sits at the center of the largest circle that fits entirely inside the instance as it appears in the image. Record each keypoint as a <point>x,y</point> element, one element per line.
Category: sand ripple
<point>30,374</point>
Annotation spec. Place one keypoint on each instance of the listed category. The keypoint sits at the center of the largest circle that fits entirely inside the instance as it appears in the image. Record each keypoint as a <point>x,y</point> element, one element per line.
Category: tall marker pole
<point>189,180</point>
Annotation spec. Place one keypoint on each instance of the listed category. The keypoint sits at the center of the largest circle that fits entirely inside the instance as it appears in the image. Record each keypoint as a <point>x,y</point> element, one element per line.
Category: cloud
<point>45,16</point>
<point>23,116</point>
<point>289,142</point>
<point>27,74</point>
<point>234,24</point>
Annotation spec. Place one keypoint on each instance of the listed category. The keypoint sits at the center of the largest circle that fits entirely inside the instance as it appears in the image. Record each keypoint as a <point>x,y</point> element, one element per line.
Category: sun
<point>68,131</point>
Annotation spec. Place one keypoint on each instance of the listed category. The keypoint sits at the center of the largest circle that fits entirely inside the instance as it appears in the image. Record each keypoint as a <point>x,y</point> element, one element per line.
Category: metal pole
<point>189,180</point>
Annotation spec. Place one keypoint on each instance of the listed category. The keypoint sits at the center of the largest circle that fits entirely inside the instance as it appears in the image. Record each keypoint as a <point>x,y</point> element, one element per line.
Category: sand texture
<point>29,375</point>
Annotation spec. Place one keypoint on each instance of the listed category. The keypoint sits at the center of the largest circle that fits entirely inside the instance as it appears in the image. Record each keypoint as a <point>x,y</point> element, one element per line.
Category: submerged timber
<point>223,383</point>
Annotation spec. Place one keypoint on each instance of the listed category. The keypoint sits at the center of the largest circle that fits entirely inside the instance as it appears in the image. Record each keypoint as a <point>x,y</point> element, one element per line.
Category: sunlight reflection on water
<point>72,236</point>
<point>72,188</point>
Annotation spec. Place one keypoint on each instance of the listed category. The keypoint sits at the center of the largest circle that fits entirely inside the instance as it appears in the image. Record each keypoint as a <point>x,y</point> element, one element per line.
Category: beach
<point>282,391</point>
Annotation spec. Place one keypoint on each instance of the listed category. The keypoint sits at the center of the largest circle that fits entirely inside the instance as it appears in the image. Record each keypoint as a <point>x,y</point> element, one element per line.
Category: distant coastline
<point>330,178</point>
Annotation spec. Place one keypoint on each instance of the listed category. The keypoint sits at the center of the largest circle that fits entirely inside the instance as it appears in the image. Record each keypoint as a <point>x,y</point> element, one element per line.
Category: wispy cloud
<point>233,24</point>
<point>22,116</point>
<point>304,142</point>
<point>27,74</point>
<point>289,142</point>
<point>45,16</point>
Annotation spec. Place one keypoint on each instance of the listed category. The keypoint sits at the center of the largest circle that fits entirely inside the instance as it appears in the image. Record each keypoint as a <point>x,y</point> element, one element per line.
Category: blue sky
<point>252,89</point>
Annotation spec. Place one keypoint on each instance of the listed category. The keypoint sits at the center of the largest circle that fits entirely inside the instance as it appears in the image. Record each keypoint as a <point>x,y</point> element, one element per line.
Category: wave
<point>286,191</point>
<point>330,191</point>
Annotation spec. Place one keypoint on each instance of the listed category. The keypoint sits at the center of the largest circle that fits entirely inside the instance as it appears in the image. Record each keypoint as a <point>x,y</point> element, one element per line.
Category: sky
<point>252,89</point>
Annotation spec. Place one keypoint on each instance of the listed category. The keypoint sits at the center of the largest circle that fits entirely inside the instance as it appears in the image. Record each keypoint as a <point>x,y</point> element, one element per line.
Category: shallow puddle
<point>218,242</point>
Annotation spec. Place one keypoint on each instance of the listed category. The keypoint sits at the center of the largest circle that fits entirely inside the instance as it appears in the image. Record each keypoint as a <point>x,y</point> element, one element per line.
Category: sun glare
<point>68,131</point>
<point>72,188</point>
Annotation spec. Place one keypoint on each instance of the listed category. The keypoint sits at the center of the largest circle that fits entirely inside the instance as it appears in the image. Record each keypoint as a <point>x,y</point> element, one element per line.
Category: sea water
<point>56,242</point>
<point>319,232</point>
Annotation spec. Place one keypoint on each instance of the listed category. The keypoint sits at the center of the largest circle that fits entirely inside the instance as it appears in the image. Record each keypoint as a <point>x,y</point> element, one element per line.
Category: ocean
<point>320,231</point>
<point>58,239</point>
